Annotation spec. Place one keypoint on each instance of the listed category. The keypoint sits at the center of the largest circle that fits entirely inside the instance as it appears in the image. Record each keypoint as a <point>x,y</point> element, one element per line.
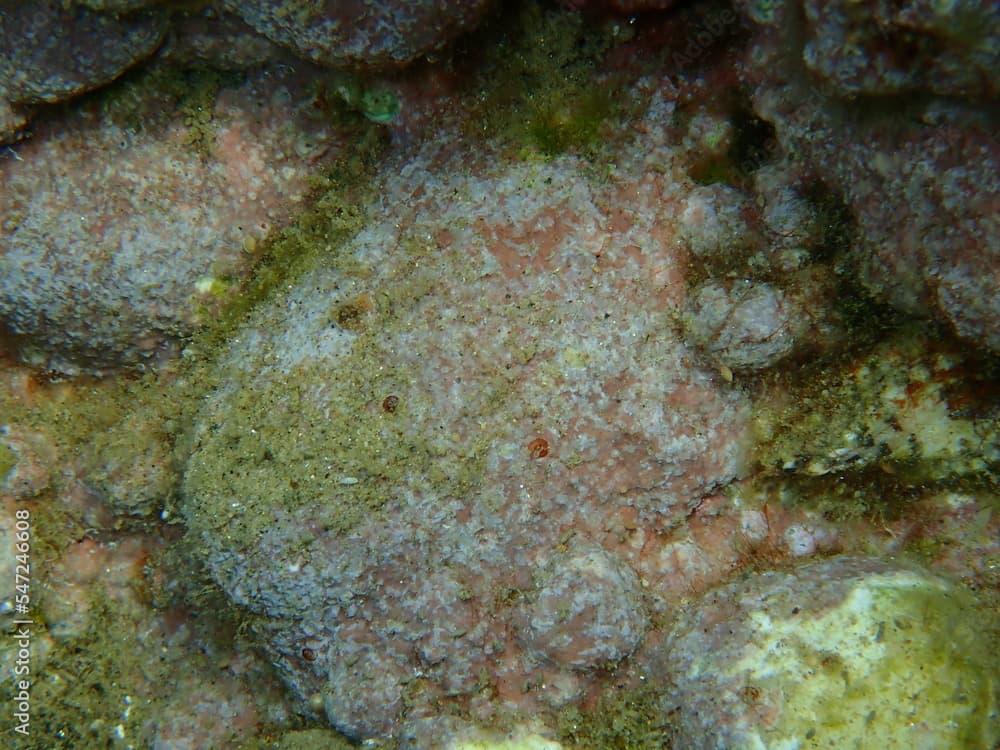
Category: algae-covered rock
<point>906,407</point>
<point>192,174</point>
<point>421,457</point>
<point>311,739</point>
<point>846,652</point>
<point>130,466</point>
<point>892,106</point>
<point>886,47</point>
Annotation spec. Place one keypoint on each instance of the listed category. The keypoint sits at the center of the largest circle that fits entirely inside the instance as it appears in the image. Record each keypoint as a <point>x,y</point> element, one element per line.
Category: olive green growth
<point>307,739</point>
<point>536,88</point>
<point>7,461</point>
<point>337,437</point>
<point>753,145</point>
<point>911,413</point>
<point>336,212</point>
<point>150,97</point>
<point>628,718</point>
<point>372,99</point>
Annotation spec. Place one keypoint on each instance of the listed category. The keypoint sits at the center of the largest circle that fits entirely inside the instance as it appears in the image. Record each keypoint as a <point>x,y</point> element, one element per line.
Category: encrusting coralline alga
<point>97,279</point>
<point>425,464</point>
<point>513,466</point>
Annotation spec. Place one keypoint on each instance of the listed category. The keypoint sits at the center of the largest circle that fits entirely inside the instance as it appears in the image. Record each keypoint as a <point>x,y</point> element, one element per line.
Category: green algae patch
<point>280,450</point>
<point>337,210</point>
<point>370,98</point>
<point>517,740</point>
<point>340,437</point>
<point>305,739</point>
<point>629,718</point>
<point>536,89</point>
<point>7,461</point>
<point>96,427</point>
<point>117,435</point>
<point>82,694</point>
<point>150,98</point>
<point>753,145</point>
<point>121,681</point>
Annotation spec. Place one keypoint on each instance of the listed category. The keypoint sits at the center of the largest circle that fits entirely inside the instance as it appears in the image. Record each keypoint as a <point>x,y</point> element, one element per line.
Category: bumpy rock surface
<point>117,6</point>
<point>462,474</point>
<point>121,227</point>
<point>924,188</point>
<point>744,326</point>
<point>428,459</point>
<point>586,609</point>
<point>356,32</point>
<point>49,52</point>
<point>846,652</point>
<point>618,6</point>
<point>899,406</point>
<point>884,47</point>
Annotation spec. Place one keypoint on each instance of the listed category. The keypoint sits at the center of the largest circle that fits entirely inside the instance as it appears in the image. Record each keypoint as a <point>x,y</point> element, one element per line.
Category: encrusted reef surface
<point>125,223</point>
<point>53,50</point>
<point>431,455</point>
<point>600,381</point>
<point>895,107</point>
<point>336,32</point>
<point>875,650</point>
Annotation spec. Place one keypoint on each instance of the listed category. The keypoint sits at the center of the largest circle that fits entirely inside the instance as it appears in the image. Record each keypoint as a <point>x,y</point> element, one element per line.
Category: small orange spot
<point>538,448</point>
<point>389,404</point>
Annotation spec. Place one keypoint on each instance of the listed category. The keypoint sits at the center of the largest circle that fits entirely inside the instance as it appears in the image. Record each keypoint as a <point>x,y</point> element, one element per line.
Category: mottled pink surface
<point>108,224</point>
<point>511,302</point>
<point>542,290</point>
<point>580,467</point>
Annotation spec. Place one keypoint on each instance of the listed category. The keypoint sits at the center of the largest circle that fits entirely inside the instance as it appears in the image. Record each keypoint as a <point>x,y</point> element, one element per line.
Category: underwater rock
<point>27,461</point>
<point>832,654</point>
<point>878,48</point>
<point>904,408</point>
<point>131,466</point>
<point>351,33</point>
<point>221,41</point>
<point>919,174</point>
<point>49,53</point>
<point>428,457</point>
<point>449,733</point>
<point>618,6</point>
<point>94,279</point>
<point>768,290</point>
<point>882,48</point>
<point>117,6</point>
<point>715,225</point>
<point>745,325</point>
<point>793,223</point>
<point>585,611</point>
<point>310,739</point>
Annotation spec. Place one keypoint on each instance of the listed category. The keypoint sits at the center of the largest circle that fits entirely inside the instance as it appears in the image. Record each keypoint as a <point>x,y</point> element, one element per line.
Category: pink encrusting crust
<point>533,353</point>
<point>121,231</point>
